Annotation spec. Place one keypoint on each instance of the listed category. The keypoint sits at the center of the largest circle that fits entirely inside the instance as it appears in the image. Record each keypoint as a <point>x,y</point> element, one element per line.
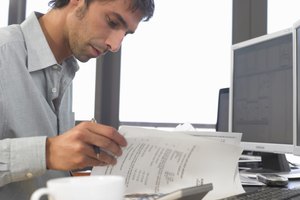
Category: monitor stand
<point>274,163</point>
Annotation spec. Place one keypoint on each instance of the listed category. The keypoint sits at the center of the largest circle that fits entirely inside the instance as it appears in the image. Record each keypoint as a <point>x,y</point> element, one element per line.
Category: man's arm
<point>28,157</point>
<point>22,159</point>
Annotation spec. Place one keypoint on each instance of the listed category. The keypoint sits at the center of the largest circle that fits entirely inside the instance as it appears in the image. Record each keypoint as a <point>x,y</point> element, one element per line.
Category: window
<point>40,6</point>
<point>174,65</point>
<point>4,6</point>
<point>282,14</point>
<point>84,91</point>
<point>84,81</point>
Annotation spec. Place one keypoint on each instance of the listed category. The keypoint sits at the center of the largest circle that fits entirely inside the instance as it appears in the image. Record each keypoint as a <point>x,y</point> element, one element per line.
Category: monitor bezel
<point>295,26</point>
<point>222,91</point>
<point>256,146</point>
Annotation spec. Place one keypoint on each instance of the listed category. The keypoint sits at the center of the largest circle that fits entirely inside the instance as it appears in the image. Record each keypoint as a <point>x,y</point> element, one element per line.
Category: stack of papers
<point>160,162</point>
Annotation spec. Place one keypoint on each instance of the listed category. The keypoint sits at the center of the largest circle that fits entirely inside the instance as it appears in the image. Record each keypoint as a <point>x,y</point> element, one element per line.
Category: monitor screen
<point>261,102</point>
<point>223,110</point>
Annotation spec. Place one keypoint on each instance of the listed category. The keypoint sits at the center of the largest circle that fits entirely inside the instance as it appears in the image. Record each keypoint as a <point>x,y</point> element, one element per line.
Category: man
<point>38,140</point>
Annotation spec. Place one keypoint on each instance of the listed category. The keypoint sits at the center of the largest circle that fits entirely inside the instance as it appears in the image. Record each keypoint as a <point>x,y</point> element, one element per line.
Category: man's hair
<point>145,6</point>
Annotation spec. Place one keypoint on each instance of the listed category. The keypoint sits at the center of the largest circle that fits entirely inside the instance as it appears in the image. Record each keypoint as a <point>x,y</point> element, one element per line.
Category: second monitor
<point>261,101</point>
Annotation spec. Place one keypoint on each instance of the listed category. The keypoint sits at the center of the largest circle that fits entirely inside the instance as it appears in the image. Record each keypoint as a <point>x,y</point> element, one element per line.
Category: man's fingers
<point>108,132</point>
<point>103,157</point>
<point>75,148</point>
<point>105,144</point>
<point>105,137</point>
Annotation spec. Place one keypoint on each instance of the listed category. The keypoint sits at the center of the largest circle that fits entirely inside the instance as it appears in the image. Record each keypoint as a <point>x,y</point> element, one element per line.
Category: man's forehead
<point>122,10</point>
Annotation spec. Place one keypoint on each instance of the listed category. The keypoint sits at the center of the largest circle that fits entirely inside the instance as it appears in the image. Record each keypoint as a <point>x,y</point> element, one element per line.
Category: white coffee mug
<point>83,187</point>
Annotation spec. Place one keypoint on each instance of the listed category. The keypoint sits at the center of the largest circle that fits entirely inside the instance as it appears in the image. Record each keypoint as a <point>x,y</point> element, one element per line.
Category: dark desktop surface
<point>290,191</point>
<point>253,167</point>
<point>293,182</point>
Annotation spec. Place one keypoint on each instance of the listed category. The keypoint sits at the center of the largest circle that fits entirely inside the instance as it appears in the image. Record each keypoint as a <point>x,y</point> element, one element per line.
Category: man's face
<point>101,27</point>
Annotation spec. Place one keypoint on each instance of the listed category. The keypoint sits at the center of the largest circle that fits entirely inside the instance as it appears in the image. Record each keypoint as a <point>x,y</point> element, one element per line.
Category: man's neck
<point>53,24</point>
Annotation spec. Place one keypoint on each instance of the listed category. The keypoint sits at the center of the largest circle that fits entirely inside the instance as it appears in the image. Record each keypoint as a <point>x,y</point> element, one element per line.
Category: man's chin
<point>83,59</point>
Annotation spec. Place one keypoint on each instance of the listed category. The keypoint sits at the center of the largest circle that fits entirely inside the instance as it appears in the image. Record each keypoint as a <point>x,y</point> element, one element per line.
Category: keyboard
<point>269,193</point>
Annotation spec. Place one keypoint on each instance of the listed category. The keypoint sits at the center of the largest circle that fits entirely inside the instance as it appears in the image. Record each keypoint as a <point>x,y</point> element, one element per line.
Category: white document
<point>161,162</point>
<point>225,137</point>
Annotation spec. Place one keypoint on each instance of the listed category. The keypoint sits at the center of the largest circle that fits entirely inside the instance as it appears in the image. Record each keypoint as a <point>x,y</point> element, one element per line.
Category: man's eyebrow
<point>123,22</point>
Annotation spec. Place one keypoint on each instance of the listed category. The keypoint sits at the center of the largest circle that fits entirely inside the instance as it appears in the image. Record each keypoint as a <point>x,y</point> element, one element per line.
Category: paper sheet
<point>160,162</point>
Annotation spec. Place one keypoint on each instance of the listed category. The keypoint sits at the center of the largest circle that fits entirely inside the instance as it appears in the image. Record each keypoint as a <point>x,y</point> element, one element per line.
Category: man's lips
<point>96,52</point>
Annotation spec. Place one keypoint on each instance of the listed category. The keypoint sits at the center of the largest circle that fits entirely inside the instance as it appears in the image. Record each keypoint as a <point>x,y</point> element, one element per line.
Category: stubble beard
<point>77,44</point>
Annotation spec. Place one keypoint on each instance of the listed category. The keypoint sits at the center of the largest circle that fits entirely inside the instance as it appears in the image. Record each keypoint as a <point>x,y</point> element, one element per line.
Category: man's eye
<point>111,23</point>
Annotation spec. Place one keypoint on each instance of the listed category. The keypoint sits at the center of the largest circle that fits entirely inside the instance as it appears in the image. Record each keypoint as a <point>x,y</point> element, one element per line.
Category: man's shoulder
<point>10,34</point>
<point>12,43</point>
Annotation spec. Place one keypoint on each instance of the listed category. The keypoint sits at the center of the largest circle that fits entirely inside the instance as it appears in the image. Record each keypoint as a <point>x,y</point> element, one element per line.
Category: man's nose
<point>114,41</point>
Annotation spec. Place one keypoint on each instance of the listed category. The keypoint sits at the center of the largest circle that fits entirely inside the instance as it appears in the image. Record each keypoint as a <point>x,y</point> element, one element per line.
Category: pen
<point>96,148</point>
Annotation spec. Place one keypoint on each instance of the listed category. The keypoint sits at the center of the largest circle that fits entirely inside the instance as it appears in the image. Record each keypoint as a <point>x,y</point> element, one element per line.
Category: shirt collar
<point>40,55</point>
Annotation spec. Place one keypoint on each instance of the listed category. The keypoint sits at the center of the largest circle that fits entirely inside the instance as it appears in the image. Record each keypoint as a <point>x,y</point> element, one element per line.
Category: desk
<point>81,173</point>
<point>293,183</point>
<point>294,179</point>
<point>263,192</point>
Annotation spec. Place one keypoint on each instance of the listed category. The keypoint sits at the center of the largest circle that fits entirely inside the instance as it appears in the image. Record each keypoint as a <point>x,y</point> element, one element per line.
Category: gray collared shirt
<point>35,103</point>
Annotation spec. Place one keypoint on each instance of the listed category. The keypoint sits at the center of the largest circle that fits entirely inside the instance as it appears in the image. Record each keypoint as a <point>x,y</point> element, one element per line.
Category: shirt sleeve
<point>22,159</point>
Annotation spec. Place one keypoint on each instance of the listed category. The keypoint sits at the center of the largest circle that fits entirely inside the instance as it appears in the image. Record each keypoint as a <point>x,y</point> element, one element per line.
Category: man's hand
<point>74,149</point>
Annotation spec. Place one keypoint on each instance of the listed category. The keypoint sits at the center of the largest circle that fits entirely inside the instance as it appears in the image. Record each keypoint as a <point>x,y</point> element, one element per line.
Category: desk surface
<point>293,183</point>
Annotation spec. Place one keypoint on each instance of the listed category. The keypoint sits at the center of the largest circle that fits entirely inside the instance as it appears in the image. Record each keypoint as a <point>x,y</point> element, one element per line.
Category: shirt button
<point>53,90</point>
<point>55,67</point>
<point>29,175</point>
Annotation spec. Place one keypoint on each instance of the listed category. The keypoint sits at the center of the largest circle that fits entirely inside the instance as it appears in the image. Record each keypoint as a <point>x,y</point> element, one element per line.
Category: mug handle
<point>36,195</point>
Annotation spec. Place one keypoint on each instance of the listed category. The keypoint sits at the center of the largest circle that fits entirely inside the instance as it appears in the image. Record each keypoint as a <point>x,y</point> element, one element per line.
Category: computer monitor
<point>223,110</point>
<point>296,64</point>
<point>261,97</point>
